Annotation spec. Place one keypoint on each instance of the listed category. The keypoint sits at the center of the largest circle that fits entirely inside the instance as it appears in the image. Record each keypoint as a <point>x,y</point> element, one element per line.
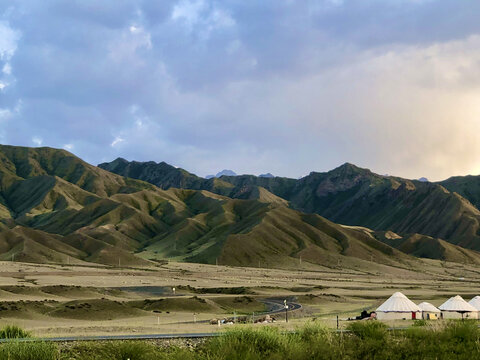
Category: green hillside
<point>427,247</point>
<point>467,186</point>
<point>57,208</point>
<point>354,196</point>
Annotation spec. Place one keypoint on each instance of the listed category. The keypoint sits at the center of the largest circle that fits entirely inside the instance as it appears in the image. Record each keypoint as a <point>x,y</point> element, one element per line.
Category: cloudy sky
<point>281,86</point>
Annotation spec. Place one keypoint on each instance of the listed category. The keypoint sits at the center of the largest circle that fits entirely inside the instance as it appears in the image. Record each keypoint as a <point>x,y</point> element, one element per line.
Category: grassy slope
<point>348,195</point>
<point>60,209</point>
<point>428,247</point>
<point>466,186</point>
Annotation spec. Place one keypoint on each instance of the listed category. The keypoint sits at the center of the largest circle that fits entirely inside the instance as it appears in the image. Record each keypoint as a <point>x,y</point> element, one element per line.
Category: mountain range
<point>55,207</point>
<point>351,196</point>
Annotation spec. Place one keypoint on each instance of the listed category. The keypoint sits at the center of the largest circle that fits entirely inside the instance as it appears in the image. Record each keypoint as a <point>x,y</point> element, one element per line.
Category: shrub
<point>13,332</point>
<point>368,329</point>
<point>16,350</point>
<point>419,323</point>
<point>249,344</point>
<point>133,350</point>
<point>461,331</point>
<point>313,331</point>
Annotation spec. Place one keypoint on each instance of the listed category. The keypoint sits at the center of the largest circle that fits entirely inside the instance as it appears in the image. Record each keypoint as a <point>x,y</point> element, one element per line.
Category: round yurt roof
<point>425,306</point>
<point>456,303</point>
<point>475,302</point>
<point>398,303</point>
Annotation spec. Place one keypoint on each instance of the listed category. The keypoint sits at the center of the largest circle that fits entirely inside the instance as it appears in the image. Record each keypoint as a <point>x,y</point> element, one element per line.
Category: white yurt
<point>398,307</point>
<point>475,302</point>
<point>457,308</point>
<point>429,312</point>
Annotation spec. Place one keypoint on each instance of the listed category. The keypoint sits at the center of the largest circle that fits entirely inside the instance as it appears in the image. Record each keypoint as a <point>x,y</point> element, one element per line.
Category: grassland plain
<point>58,300</point>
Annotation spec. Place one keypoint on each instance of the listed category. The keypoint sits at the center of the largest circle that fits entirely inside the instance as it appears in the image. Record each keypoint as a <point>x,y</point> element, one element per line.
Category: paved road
<point>276,306</point>
<point>149,336</point>
<point>120,337</point>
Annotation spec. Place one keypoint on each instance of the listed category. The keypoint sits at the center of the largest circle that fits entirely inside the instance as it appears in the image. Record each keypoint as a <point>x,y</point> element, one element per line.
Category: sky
<point>279,86</point>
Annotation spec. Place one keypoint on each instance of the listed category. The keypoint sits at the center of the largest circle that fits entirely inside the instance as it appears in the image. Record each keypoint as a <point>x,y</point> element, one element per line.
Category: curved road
<point>276,306</point>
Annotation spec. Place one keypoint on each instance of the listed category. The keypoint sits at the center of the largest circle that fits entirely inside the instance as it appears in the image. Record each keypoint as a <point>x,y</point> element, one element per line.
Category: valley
<point>86,251</point>
<point>71,300</point>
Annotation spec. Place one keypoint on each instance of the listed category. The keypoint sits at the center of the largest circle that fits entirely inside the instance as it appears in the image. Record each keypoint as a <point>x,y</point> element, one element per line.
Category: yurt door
<point>414,315</point>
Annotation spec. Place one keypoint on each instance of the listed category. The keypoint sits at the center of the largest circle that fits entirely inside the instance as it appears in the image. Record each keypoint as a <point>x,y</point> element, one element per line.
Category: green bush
<point>462,331</point>
<point>130,350</point>
<point>23,350</point>
<point>119,350</point>
<point>419,323</point>
<point>368,329</point>
<point>312,331</point>
<point>13,332</point>
<point>248,344</point>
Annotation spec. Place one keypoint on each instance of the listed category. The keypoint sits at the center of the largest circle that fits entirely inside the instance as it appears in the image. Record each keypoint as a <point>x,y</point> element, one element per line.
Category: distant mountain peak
<point>423,179</point>
<point>120,160</point>
<point>226,172</point>
<point>267,175</point>
<point>349,168</point>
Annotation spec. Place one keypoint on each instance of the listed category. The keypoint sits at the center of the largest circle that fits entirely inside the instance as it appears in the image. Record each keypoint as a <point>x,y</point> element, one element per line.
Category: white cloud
<point>117,141</point>
<point>5,114</point>
<point>8,41</point>
<point>37,141</point>
<point>68,147</point>
<point>7,69</point>
<point>188,11</point>
<point>126,45</point>
<point>201,17</point>
<point>2,85</point>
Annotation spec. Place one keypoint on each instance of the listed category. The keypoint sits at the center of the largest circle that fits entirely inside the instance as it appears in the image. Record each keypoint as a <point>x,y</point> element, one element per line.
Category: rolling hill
<point>354,196</point>
<point>466,186</point>
<point>57,208</point>
<point>423,246</point>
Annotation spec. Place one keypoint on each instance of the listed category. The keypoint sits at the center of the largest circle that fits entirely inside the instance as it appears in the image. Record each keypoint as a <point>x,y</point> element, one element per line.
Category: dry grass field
<point>52,300</point>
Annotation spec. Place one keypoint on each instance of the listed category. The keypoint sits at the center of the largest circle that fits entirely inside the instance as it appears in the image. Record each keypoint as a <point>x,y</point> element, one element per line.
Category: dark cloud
<point>280,86</point>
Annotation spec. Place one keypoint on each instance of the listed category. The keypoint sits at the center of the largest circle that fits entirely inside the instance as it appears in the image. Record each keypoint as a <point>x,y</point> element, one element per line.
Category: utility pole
<point>286,310</point>
<point>300,259</point>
